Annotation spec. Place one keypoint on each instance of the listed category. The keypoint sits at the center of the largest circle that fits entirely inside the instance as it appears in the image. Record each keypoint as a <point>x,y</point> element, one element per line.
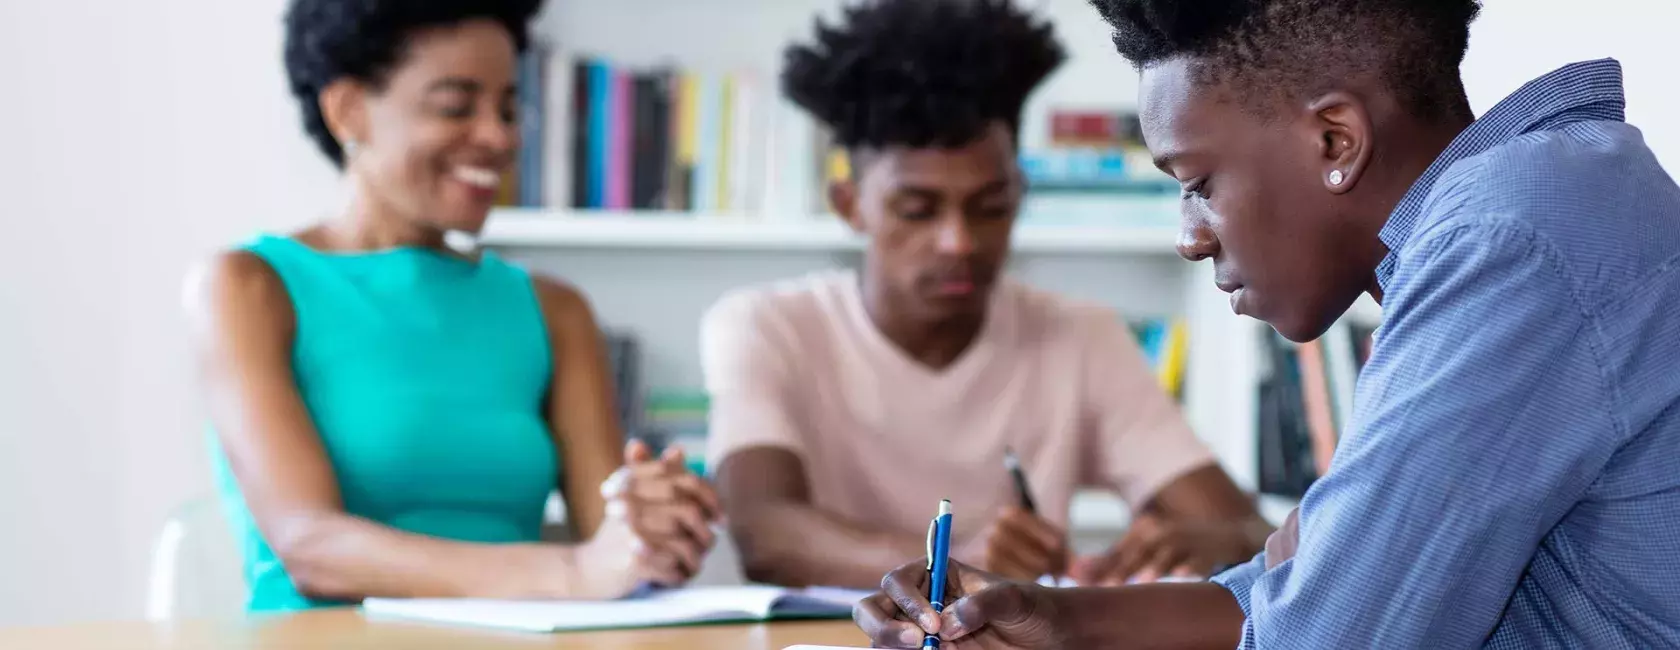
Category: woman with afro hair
<point>390,416</point>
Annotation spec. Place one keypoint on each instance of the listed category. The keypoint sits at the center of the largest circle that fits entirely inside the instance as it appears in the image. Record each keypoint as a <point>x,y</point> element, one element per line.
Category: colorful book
<point>531,118</point>
<point>618,148</point>
<point>708,150</point>
<point>1175,354</point>
<point>599,133</point>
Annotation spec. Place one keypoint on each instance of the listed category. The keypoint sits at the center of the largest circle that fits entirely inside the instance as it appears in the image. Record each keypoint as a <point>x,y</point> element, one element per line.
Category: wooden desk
<point>347,629</point>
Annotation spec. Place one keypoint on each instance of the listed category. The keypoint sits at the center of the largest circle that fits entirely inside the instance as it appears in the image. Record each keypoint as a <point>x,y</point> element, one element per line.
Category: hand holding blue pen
<point>939,551</point>
<point>961,605</point>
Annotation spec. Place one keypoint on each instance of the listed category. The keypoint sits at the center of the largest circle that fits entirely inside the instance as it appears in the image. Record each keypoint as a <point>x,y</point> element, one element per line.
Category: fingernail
<point>929,621</point>
<point>910,638</point>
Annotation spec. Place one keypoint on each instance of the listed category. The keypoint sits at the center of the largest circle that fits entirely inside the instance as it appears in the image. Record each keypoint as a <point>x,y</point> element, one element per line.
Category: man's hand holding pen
<point>1018,544</point>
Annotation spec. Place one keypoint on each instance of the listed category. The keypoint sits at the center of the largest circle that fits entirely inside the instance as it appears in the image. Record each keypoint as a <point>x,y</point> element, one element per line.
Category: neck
<point>367,223</point>
<point>935,343</point>
<point>1406,166</point>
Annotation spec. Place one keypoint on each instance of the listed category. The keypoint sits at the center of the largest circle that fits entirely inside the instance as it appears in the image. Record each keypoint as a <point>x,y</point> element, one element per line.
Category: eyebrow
<point>1163,161</point>
<point>933,194</point>
<point>915,192</point>
<point>455,84</point>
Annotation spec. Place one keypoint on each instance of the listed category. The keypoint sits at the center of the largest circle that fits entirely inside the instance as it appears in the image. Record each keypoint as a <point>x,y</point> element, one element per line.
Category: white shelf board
<point>527,228</point>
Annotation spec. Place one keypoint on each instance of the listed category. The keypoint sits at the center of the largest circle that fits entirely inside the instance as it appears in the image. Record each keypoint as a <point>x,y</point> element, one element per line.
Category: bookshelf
<point>521,227</point>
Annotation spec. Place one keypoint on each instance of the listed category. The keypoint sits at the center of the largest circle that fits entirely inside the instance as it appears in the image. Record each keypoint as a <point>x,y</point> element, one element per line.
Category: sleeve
<point>747,377</point>
<point>1240,580</point>
<point>1137,440</point>
<point>1481,419</point>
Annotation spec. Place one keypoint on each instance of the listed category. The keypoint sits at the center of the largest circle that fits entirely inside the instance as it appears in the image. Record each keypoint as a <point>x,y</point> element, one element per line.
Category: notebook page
<point>756,600</point>
<point>554,616</point>
<point>817,602</point>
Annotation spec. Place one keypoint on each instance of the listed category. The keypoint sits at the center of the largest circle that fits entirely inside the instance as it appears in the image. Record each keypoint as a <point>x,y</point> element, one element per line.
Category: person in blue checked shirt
<point>1510,476</point>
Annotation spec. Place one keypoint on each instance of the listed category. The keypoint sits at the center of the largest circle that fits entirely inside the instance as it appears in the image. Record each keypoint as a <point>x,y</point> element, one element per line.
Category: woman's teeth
<point>478,177</point>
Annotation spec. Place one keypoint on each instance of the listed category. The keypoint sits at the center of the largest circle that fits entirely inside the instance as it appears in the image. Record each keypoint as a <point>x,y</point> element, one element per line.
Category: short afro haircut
<point>327,40</point>
<point>1301,47</point>
<point>920,73</point>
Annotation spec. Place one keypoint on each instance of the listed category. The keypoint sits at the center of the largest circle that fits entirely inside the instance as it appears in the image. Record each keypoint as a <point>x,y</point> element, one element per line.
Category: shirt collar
<point>1584,91</point>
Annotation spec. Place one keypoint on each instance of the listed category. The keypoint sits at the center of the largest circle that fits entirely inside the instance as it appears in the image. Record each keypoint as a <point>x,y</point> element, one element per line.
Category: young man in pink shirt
<point>844,405</point>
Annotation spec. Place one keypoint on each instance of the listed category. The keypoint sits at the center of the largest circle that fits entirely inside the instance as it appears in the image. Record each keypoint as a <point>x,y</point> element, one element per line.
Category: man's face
<point>1255,201</point>
<point>938,222</point>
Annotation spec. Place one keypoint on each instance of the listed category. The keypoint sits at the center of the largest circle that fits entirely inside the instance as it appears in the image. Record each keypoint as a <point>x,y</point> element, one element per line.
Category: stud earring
<point>1336,177</point>
<point>350,147</point>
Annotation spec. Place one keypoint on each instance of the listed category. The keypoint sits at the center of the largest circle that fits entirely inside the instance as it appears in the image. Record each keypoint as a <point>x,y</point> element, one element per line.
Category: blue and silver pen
<point>939,550</point>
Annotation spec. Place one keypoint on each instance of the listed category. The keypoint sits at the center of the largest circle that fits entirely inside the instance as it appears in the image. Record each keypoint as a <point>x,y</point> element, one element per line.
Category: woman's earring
<point>350,147</point>
<point>1336,177</point>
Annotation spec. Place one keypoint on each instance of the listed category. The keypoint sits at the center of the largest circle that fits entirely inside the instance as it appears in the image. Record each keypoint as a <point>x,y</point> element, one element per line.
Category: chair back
<point>196,569</point>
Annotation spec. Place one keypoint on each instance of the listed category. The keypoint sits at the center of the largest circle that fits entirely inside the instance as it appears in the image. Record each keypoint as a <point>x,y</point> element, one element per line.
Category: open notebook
<point>662,608</point>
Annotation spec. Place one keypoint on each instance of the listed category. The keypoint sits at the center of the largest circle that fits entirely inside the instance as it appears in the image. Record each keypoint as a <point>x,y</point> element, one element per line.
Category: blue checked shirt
<point>1511,474</point>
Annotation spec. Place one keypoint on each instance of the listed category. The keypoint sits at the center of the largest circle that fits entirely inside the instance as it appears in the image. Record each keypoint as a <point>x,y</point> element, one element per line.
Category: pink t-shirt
<point>800,366</point>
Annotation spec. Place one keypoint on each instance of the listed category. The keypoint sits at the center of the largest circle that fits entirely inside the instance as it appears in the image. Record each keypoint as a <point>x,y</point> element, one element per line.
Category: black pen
<point>1013,464</point>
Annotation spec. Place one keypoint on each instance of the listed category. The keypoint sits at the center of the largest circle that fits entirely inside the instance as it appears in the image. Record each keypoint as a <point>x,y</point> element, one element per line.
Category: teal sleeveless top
<point>425,375</point>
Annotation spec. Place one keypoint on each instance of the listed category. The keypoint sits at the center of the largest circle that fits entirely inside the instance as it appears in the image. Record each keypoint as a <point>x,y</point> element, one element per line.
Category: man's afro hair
<point>920,73</point>
<point>1303,46</point>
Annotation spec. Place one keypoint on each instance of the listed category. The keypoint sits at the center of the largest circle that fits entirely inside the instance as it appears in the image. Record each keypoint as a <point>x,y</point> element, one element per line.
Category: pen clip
<point>933,531</point>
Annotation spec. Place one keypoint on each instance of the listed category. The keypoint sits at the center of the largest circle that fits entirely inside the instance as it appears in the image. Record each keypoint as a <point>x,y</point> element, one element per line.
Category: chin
<point>1300,328</point>
<point>471,223</point>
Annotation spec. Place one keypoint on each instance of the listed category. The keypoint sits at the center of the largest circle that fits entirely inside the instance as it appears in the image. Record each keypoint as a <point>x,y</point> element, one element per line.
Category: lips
<point>955,284</point>
<point>956,287</point>
<point>1233,288</point>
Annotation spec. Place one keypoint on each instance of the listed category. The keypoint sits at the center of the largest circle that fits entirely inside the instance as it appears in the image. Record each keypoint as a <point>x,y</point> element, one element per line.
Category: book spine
<point>707,153</point>
<point>644,183</point>
<point>726,144</point>
<point>600,107</point>
<point>1342,371</point>
<point>743,152</point>
<point>686,126</point>
<point>530,97</point>
<point>619,154</point>
<point>558,157</point>
<point>792,185</point>
<point>1315,398</point>
<point>663,144</point>
<point>1174,357</point>
<point>581,120</point>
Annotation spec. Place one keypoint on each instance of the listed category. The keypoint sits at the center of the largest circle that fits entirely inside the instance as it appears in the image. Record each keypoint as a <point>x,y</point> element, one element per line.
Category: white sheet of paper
<point>1065,582</point>
<point>678,606</point>
<point>1049,581</point>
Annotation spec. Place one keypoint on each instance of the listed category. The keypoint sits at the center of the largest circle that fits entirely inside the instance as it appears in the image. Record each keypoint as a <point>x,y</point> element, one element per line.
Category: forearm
<point>1163,616</point>
<point>341,557</point>
<point>796,544</point>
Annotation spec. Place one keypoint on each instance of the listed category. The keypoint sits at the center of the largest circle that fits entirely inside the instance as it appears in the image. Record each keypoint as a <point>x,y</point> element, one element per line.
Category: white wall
<point>142,135</point>
<point>1517,40</point>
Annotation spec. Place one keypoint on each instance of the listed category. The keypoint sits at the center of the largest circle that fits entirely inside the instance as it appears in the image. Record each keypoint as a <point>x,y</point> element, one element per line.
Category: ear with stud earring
<point>1336,177</point>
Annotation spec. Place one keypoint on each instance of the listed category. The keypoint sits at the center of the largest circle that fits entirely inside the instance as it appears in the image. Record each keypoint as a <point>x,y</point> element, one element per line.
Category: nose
<point>496,134</point>
<point>1196,241</point>
<point>955,236</point>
